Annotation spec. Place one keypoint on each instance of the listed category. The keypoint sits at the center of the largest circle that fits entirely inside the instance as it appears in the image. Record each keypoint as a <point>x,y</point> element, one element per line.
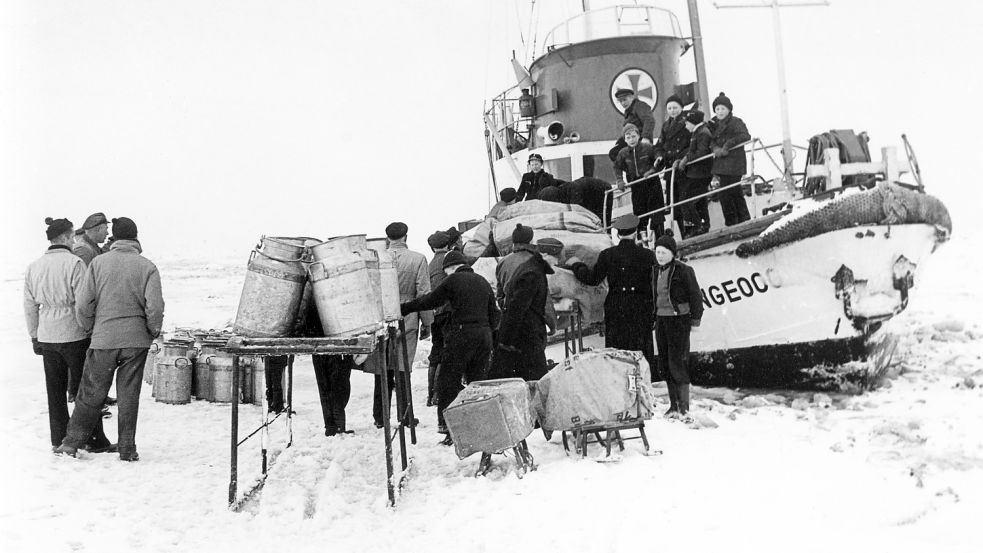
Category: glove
<point>694,323</point>
<point>621,186</point>
<point>719,152</point>
<point>36,345</point>
<point>677,165</point>
<point>714,183</point>
<point>424,332</point>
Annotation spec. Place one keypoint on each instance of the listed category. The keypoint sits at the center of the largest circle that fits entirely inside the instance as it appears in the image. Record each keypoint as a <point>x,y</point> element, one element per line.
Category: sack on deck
<point>490,416</point>
<point>605,386</point>
<point>533,207</point>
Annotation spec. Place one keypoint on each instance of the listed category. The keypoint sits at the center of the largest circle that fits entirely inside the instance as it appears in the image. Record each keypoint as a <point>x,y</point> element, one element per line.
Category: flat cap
<point>507,194</point>
<point>438,239</point>
<point>623,92</point>
<point>94,220</point>
<point>395,231</point>
<point>550,246</point>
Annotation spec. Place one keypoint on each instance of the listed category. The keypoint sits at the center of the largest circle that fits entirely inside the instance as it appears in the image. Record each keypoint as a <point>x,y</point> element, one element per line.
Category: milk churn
<point>346,286</point>
<point>172,381</point>
<point>273,288</point>
<point>211,367</point>
<point>148,366</point>
<point>389,280</point>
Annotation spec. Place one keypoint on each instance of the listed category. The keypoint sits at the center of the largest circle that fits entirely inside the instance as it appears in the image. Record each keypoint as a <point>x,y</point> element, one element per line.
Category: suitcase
<point>490,416</point>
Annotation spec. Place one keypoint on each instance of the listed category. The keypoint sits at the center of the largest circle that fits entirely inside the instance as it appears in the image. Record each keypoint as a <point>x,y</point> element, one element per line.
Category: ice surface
<point>897,469</point>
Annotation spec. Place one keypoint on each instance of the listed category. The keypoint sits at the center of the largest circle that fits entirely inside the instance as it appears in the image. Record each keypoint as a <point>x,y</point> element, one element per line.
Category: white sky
<point>212,122</point>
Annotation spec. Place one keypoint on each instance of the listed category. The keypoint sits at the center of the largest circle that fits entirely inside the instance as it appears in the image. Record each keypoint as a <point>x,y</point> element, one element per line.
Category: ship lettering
<point>730,291</point>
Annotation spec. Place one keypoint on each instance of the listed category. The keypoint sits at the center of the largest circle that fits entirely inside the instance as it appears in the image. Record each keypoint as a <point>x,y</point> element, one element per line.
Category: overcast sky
<point>212,122</point>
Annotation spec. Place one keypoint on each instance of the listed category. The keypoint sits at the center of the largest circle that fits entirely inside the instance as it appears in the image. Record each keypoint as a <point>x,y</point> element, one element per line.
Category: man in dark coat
<point>635,161</point>
<point>468,333</point>
<point>523,293</point>
<point>534,181</point>
<point>628,308</point>
<point>698,173</point>
<point>670,148</point>
<point>439,242</point>
<point>729,161</point>
<point>637,113</point>
<point>588,192</point>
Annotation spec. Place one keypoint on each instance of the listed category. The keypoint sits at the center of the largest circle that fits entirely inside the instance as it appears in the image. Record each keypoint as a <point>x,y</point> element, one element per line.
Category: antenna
<point>775,6</point>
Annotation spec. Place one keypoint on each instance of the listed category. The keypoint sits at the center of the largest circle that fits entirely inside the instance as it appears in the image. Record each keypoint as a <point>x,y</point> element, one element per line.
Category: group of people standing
<point>694,157</point>
<point>692,154</point>
<point>92,313</point>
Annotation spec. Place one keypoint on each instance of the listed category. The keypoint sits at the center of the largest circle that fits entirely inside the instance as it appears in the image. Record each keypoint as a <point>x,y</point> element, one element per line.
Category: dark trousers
<point>647,196</point>
<point>466,354</point>
<point>61,362</point>
<point>672,337</point>
<point>732,201</point>
<point>628,325</point>
<point>274,367</point>
<point>97,377</point>
<point>437,340</point>
<point>698,214</point>
<point>528,363</point>
<point>333,374</point>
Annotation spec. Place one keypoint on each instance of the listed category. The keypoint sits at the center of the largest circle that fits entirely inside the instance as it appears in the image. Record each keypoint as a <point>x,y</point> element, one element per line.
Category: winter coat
<point>414,280</point>
<point>51,288</point>
<point>437,275</point>
<point>727,133</point>
<point>629,305</point>
<point>700,145</point>
<point>471,298</point>
<point>634,162</point>
<point>532,184</point>
<point>120,300</point>
<point>640,114</point>
<point>86,249</point>
<point>673,141</point>
<point>683,288</point>
<point>525,293</point>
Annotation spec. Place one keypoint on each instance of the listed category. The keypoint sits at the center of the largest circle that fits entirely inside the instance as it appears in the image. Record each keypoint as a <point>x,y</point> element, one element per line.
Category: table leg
<point>234,453</point>
<point>264,436</point>
<point>290,400</point>
<point>407,386</point>
<point>386,429</point>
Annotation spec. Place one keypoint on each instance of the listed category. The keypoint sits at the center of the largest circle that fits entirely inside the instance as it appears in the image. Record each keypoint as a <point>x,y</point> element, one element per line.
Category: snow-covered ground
<point>897,469</point>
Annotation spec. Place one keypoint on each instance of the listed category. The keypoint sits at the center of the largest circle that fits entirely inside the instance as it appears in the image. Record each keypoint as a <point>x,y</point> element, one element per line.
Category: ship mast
<point>775,6</point>
<point>703,92</point>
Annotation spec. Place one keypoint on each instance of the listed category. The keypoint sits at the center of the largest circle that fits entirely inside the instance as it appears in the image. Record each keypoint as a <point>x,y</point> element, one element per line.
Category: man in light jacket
<point>414,281</point>
<point>120,301</point>
<point>51,286</point>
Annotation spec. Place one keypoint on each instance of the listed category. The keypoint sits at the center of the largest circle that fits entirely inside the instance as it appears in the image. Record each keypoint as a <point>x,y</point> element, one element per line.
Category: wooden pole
<point>782,94</point>
<point>234,452</point>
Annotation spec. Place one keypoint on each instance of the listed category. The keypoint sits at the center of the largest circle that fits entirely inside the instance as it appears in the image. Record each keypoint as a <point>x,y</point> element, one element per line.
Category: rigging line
<point>518,23</point>
<point>530,31</point>
<point>535,33</point>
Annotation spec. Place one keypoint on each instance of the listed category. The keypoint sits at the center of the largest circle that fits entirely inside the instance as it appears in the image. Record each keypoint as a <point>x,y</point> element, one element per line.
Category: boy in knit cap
<point>678,309</point>
<point>698,174</point>
<point>729,159</point>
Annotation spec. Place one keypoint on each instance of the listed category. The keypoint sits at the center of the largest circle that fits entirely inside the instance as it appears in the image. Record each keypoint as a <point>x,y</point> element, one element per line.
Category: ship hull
<point>788,316</point>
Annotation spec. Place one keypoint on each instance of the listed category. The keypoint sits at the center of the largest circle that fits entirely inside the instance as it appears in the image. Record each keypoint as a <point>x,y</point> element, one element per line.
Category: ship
<point>798,296</point>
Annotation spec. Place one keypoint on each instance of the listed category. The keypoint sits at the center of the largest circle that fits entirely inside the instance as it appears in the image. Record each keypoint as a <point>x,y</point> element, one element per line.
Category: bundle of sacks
<point>576,227</point>
<point>577,233</point>
<point>603,386</point>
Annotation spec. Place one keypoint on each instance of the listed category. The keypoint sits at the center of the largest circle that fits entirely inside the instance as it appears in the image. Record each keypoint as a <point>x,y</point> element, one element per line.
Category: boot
<point>683,392</point>
<point>673,410</point>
